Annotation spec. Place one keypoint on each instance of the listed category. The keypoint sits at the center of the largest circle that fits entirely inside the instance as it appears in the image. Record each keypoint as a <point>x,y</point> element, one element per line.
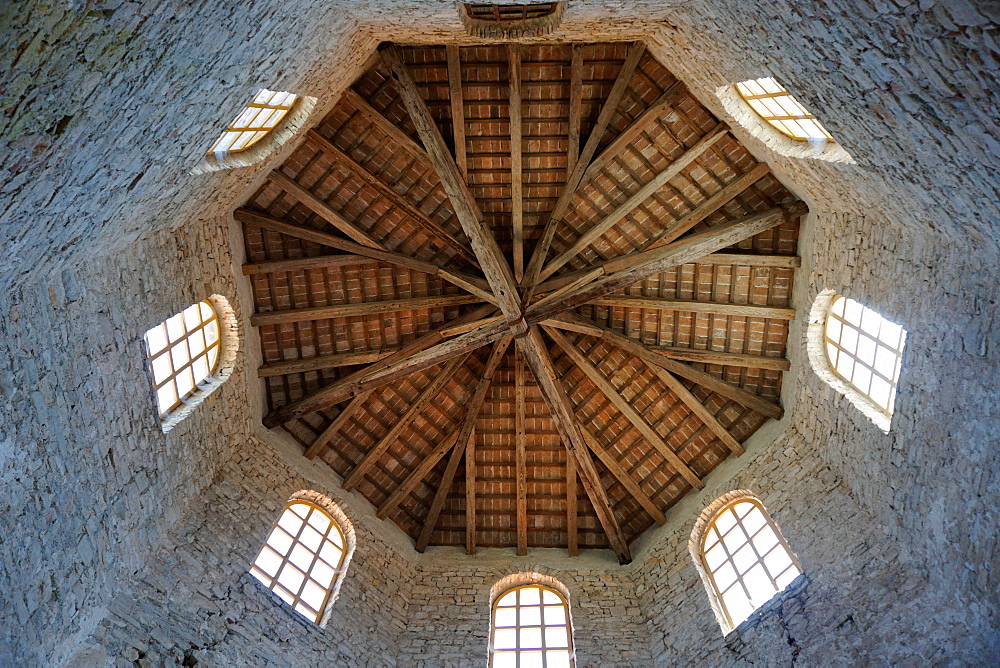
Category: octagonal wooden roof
<point>521,295</point>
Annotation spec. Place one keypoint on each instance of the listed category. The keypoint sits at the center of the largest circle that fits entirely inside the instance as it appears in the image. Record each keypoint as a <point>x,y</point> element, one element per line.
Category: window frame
<point>338,571</point>
<point>568,625</point>
<point>262,131</point>
<point>777,97</point>
<point>714,513</point>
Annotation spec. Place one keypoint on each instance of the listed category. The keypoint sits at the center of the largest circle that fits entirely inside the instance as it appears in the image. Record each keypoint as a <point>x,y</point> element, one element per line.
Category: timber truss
<point>521,295</point>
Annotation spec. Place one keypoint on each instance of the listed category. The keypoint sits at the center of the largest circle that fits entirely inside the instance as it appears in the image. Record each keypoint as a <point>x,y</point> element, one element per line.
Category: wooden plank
<point>305,264</point>
<point>470,494</point>
<point>576,323</point>
<point>639,124</point>
<point>716,357</point>
<point>630,413</point>
<point>348,387</point>
<point>405,141</point>
<point>359,309</point>
<point>520,447</point>
<point>578,282</point>
<point>629,205</point>
<point>749,260</point>
<point>622,476</point>
<point>426,396</point>
<point>457,102</point>
<point>484,245</point>
<point>538,360</point>
<point>399,201</point>
<point>324,210</point>
<point>710,206</point>
<point>695,306</point>
<point>589,149</point>
<point>575,108</point>
<point>517,193</point>
<point>334,361</point>
<point>440,497</point>
<point>634,267</point>
<point>325,239</point>
<point>572,537</point>
<point>417,474</point>
<point>456,330</point>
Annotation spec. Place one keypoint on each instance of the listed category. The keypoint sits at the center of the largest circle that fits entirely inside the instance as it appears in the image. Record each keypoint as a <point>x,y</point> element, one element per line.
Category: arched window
<point>252,124</point>
<point>508,21</point>
<point>742,557</point>
<point>531,627</point>
<point>776,105</point>
<point>857,352</point>
<point>302,558</point>
<point>190,354</point>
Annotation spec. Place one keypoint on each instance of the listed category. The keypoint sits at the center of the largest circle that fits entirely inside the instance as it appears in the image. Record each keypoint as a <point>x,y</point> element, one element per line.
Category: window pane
<point>290,523</point>
<point>531,659</point>
<point>555,615</point>
<point>301,557</point>
<point>725,576</point>
<point>161,369</point>
<point>175,327</point>
<point>319,522</point>
<point>331,554</point>
<point>268,562</point>
<point>313,595</point>
<point>556,637</point>
<point>531,616</point>
<point>549,597</point>
<point>156,339</point>
<point>760,587</point>
<point>505,617</point>
<point>557,659</point>
<point>505,660</point>
<point>291,579</point>
<point>754,520</point>
<point>531,638</point>
<point>777,561</point>
<point>280,541</point>
<point>322,574</point>
<point>714,557</point>
<point>529,596</point>
<point>744,559</point>
<point>505,638</point>
<point>311,539</point>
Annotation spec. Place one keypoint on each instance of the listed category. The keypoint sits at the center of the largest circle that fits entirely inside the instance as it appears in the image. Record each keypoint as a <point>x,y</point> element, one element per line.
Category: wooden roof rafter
<point>616,210</point>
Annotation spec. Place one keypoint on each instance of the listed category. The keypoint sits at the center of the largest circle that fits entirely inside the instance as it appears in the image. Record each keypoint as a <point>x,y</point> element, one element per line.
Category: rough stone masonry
<point>121,545</point>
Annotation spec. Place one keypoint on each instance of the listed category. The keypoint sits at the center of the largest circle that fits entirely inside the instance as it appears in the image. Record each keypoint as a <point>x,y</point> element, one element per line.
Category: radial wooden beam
<point>426,396</point>
<point>572,537</point>
<point>470,494</point>
<point>520,454</point>
<point>440,496</point>
<point>354,384</point>
<point>324,210</point>
<point>338,423</point>
<point>538,360</point>
<point>630,413</point>
<point>635,267</point>
<point>575,108</point>
<point>470,283</point>
<point>271,369</point>
<point>457,102</point>
<point>516,187</point>
<point>399,201</point>
<point>645,192</point>
<point>361,309</point>
<point>576,323</point>
<point>709,206</point>
<point>576,178</point>
<point>695,306</point>
<point>622,476</point>
<point>484,245</point>
<point>642,122</point>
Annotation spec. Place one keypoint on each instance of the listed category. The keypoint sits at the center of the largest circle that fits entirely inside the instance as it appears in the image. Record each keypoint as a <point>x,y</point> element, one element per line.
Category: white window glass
<point>183,352</point>
<point>775,105</point>
<point>530,628</point>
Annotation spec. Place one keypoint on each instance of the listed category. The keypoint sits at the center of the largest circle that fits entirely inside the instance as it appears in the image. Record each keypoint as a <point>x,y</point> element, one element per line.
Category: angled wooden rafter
<point>582,163</point>
<point>359,309</point>
<point>622,404</point>
<point>441,495</point>
<point>520,454</point>
<point>517,189</point>
<point>623,476</point>
<point>271,369</point>
<point>402,422</point>
<point>457,102</point>
<point>696,306</point>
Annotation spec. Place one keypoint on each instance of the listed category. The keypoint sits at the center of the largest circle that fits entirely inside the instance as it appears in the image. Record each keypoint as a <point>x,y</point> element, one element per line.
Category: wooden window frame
<point>886,410</point>
<point>511,21</point>
<point>508,12</point>
<point>272,583</point>
<point>781,122</point>
<point>176,370</point>
<point>709,574</point>
<point>270,122</point>
<point>542,625</point>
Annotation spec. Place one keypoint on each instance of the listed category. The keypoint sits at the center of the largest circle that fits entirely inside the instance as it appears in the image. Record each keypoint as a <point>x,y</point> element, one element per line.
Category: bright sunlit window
<point>865,349</point>
<point>301,558</point>
<point>254,122</point>
<point>183,352</point>
<point>531,628</point>
<point>775,105</point>
<point>745,559</point>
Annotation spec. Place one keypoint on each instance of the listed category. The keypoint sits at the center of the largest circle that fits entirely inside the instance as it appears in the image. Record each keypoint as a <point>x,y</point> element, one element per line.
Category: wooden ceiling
<point>521,295</point>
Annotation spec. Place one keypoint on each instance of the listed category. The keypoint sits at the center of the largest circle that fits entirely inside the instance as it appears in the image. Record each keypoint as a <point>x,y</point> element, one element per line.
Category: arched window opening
<point>509,21</point>
<point>744,559</point>
<point>302,558</point>
<point>252,124</point>
<point>776,105</point>
<point>190,354</point>
<point>530,627</point>
<point>865,349</point>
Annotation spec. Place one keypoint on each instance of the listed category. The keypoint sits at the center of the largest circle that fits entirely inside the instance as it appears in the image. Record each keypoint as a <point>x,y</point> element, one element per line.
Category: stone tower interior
<point>127,544</point>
